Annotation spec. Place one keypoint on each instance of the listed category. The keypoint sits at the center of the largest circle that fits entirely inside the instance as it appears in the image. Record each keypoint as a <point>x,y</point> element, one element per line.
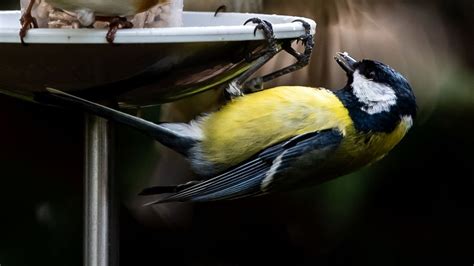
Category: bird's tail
<point>157,190</point>
<point>168,189</point>
<point>166,136</point>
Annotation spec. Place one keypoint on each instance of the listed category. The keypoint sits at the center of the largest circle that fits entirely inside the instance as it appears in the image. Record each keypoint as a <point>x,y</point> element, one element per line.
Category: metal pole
<point>99,244</point>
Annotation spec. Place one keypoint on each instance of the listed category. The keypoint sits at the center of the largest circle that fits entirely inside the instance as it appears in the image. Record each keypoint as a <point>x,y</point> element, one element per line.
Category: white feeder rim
<point>198,27</point>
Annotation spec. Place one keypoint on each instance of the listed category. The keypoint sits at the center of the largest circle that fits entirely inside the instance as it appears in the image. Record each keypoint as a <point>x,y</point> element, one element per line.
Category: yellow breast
<point>256,121</point>
<point>359,149</point>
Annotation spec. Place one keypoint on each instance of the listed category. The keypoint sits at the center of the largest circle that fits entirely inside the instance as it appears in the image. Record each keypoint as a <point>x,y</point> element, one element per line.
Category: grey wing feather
<point>246,179</point>
<point>230,184</point>
<point>318,146</point>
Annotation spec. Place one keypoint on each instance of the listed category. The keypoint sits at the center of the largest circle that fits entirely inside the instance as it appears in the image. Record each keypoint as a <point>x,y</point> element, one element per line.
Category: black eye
<point>371,75</point>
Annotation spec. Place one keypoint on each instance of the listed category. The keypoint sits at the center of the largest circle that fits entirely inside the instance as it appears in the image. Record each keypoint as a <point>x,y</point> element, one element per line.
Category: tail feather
<point>158,190</point>
<point>172,139</point>
<point>166,190</point>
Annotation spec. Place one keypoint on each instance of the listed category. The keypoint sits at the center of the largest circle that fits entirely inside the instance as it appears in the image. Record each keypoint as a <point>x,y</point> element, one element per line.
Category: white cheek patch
<point>376,97</point>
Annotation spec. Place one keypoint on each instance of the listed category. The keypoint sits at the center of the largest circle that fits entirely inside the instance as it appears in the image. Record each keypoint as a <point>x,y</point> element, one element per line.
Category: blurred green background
<point>414,207</point>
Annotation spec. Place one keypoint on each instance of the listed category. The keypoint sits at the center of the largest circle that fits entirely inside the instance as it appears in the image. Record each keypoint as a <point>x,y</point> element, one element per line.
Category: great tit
<point>285,137</point>
<point>88,11</point>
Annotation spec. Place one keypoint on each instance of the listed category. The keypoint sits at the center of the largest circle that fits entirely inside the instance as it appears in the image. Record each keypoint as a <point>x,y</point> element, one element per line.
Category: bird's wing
<point>254,176</point>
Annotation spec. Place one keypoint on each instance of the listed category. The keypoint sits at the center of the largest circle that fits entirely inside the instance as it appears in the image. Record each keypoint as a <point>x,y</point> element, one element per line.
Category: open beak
<point>346,62</point>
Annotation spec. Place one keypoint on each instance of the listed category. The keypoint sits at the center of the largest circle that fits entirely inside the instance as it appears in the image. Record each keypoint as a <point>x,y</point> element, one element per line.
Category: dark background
<point>415,207</point>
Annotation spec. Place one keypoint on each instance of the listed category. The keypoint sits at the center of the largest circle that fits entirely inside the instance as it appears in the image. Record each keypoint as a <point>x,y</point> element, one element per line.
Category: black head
<point>374,88</point>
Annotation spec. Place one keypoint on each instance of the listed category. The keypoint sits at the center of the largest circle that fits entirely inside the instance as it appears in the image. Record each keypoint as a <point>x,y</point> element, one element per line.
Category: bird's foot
<point>235,88</point>
<point>267,30</point>
<point>306,37</point>
<point>302,58</point>
<point>27,21</point>
<point>307,40</point>
<point>115,24</point>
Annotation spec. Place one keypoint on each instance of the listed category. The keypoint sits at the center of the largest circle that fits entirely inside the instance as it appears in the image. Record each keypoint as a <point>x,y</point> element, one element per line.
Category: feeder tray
<point>144,66</point>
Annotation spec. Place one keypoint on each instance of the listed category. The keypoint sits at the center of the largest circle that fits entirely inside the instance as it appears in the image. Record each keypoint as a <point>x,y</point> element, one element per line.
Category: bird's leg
<point>302,60</point>
<point>115,23</point>
<point>27,21</point>
<point>234,88</point>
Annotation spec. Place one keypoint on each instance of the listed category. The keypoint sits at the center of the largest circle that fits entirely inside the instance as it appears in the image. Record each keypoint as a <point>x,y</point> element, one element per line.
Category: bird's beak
<point>346,62</point>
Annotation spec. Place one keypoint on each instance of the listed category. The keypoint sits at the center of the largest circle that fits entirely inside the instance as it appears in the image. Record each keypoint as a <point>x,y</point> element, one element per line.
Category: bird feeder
<point>144,66</point>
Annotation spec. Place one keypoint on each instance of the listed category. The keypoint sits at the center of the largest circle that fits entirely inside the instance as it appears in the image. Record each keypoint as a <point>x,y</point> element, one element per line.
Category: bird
<point>282,138</point>
<point>87,12</point>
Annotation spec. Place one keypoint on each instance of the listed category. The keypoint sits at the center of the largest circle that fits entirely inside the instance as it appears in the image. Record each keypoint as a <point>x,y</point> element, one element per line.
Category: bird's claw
<point>302,59</point>
<point>220,9</point>
<point>115,24</point>
<point>27,21</point>
<point>306,39</point>
<point>263,25</point>
<point>258,59</point>
<point>267,29</point>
